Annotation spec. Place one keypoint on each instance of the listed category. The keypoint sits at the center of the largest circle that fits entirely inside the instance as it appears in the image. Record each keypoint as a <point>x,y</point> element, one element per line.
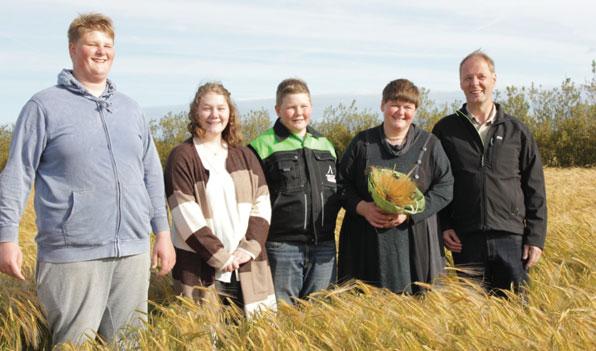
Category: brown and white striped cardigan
<point>199,252</point>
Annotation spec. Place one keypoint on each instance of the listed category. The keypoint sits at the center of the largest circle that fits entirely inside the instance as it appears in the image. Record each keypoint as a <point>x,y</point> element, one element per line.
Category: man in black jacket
<point>496,224</point>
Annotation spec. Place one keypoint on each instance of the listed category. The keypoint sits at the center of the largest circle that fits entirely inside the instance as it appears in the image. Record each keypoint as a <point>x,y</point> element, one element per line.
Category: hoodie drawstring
<point>104,105</point>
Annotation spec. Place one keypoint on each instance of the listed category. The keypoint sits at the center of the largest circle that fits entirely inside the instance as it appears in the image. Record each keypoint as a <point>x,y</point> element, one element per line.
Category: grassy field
<point>560,315</point>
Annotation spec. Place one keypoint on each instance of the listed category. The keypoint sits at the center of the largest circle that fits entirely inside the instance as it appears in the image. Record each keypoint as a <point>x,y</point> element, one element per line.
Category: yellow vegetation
<point>560,315</point>
<point>397,190</point>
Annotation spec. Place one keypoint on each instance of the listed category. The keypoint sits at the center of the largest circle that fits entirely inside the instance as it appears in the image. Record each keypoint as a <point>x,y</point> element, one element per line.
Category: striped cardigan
<point>199,252</point>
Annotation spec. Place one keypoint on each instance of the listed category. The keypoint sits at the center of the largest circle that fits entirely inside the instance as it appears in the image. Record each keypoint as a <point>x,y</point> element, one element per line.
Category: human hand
<point>452,241</point>
<point>238,258</point>
<point>164,254</point>
<point>231,266</point>
<point>11,260</point>
<point>375,216</point>
<point>398,219</point>
<point>241,257</point>
<point>531,255</point>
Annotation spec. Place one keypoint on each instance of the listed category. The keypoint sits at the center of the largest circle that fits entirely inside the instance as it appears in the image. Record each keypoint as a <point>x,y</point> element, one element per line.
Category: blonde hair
<point>88,22</point>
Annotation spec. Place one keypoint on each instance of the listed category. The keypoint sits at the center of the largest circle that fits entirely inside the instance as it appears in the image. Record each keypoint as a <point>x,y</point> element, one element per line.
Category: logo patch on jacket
<point>330,175</point>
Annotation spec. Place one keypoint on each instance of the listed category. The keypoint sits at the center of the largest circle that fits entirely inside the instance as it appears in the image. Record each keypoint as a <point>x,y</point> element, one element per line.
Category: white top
<point>221,197</point>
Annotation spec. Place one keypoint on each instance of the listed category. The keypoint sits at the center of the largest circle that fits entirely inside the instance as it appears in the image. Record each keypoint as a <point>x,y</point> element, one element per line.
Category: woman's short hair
<point>401,89</point>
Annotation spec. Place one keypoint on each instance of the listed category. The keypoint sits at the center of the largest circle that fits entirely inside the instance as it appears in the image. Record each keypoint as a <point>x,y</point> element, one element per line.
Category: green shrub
<point>340,124</point>
<point>562,120</point>
<point>254,123</point>
<point>168,132</point>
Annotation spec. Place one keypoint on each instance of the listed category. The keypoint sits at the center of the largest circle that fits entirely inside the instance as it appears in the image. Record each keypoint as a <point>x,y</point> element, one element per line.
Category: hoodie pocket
<point>136,212</point>
<point>91,220</point>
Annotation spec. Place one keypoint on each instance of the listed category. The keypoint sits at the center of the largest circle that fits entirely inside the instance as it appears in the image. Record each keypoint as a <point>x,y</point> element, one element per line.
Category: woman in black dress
<point>385,250</point>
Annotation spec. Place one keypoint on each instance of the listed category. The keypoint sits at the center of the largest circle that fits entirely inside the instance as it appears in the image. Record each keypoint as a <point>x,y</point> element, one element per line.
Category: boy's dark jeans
<point>299,269</point>
<point>494,258</point>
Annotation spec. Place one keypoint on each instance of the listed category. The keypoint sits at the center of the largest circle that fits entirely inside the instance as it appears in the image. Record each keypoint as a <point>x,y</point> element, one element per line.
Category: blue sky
<point>165,49</point>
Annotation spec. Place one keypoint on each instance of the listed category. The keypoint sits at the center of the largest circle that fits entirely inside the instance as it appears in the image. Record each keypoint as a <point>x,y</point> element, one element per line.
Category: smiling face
<point>398,115</point>
<point>92,56</point>
<point>477,81</point>
<point>213,114</point>
<point>294,112</point>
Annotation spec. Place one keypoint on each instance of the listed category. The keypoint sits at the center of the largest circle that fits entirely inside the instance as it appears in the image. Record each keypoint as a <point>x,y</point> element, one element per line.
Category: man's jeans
<point>300,269</point>
<point>494,258</point>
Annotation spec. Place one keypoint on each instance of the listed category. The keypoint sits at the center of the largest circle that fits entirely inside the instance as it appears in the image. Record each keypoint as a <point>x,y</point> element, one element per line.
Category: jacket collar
<point>500,117</point>
<point>282,132</point>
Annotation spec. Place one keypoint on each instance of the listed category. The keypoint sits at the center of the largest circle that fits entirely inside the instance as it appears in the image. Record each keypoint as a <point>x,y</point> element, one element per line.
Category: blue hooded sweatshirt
<point>98,180</point>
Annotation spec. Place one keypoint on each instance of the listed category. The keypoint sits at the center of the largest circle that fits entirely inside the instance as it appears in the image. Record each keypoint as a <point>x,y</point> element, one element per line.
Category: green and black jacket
<point>301,178</point>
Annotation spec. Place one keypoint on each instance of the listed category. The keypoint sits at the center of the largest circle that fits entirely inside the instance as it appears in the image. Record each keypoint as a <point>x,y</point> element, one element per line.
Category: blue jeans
<point>299,269</point>
<point>494,258</point>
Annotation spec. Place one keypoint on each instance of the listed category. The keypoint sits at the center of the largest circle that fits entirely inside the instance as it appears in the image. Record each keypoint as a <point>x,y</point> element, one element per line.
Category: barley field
<point>560,313</point>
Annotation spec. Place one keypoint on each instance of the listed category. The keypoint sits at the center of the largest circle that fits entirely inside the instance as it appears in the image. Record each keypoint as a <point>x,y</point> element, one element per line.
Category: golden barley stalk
<point>397,190</point>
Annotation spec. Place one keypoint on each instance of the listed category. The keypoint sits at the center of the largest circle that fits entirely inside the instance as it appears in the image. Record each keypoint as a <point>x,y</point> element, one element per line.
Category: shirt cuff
<point>9,234</point>
<point>160,224</point>
<point>247,252</point>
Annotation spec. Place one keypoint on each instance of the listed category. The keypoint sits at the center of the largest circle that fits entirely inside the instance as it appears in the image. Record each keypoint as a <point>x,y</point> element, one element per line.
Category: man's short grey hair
<point>481,54</point>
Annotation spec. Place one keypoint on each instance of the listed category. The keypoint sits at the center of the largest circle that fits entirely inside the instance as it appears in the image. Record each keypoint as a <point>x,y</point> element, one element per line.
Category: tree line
<point>562,120</point>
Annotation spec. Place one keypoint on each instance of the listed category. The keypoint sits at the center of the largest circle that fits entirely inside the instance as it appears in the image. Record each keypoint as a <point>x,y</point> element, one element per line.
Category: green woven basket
<point>416,206</point>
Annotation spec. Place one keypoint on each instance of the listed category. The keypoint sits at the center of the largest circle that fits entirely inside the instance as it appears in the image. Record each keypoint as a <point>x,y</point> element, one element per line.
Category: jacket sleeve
<point>532,182</point>
<point>154,183</point>
<point>444,214</point>
<point>188,216</point>
<point>440,192</point>
<point>349,171</point>
<point>29,140</point>
<point>260,214</point>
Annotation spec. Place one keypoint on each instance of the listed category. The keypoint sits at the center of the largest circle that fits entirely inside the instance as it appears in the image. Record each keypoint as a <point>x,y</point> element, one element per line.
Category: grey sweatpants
<point>83,299</point>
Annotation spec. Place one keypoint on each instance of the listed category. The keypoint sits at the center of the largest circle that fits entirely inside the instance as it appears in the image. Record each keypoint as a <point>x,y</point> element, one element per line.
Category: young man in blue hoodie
<point>98,194</point>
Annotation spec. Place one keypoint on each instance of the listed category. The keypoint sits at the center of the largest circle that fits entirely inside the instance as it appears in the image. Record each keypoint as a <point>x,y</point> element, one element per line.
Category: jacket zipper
<point>305,211</point>
<point>486,150</point>
<point>483,195</point>
<point>118,187</point>
<point>483,204</point>
<point>322,210</point>
<point>313,172</point>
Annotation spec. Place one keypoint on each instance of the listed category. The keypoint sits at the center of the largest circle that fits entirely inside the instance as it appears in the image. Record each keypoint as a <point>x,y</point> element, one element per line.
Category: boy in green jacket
<point>300,167</point>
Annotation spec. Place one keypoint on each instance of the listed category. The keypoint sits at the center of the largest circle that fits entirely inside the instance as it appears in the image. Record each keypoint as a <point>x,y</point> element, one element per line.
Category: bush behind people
<point>562,119</point>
